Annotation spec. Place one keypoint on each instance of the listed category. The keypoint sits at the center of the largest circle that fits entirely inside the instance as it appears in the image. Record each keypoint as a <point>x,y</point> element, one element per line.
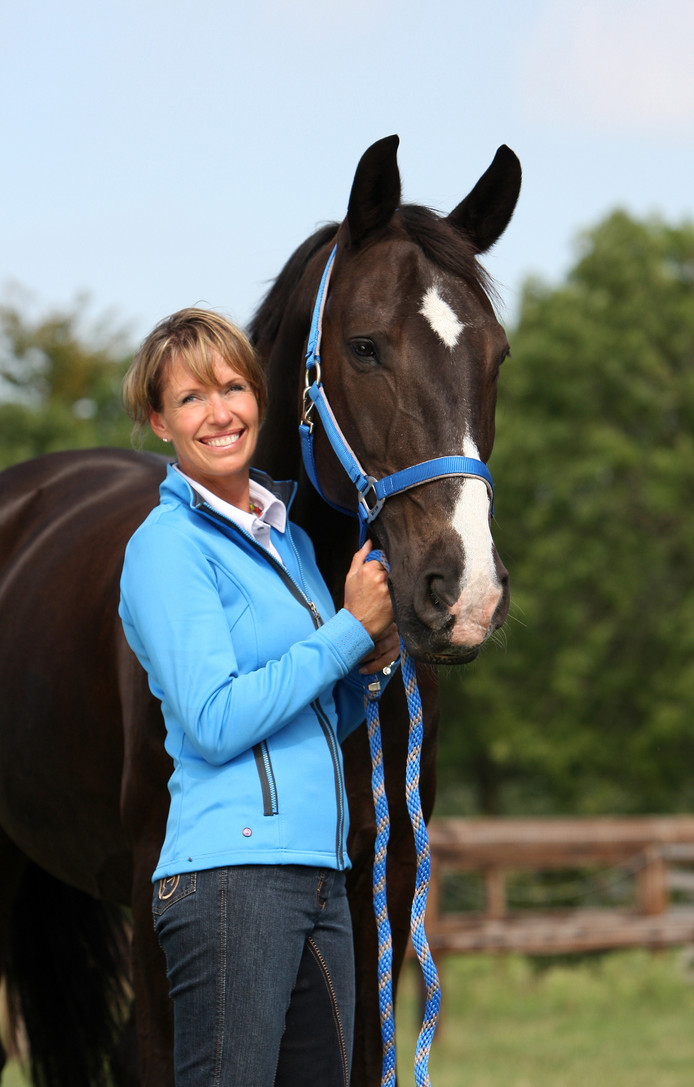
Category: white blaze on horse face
<point>443,320</point>
<point>481,590</point>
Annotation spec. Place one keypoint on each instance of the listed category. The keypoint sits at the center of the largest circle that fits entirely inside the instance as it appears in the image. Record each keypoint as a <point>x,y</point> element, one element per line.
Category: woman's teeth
<point>226,439</point>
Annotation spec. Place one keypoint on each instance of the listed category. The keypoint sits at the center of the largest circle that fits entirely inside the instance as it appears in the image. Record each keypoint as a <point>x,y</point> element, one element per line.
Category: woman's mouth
<point>222,441</point>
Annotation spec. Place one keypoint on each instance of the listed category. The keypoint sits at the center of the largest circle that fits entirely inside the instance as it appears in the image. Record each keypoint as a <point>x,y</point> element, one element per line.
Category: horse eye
<point>365,350</point>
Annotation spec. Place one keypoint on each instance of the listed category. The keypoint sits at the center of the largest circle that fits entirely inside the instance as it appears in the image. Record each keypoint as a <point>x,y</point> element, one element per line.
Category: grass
<point>617,1020</point>
<point>623,1019</point>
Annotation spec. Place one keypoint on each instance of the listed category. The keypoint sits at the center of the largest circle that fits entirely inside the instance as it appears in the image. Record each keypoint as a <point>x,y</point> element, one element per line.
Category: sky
<point>159,153</point>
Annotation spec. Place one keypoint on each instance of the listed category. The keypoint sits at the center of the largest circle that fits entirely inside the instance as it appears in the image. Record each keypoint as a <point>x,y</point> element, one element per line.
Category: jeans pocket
<point>172,889</point>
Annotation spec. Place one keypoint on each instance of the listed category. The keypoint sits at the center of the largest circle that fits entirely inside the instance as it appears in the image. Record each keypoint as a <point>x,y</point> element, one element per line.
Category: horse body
<point>411,352</point>
<point>79,732</point>
<point>38,543</point>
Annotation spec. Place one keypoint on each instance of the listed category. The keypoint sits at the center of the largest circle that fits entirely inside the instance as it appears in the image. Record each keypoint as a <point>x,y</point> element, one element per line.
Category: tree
<point>59,382</point>
<point>588,707</point>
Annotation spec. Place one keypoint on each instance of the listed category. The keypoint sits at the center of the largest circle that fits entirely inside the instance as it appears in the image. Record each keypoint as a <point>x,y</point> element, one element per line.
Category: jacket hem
<point>312,859</point>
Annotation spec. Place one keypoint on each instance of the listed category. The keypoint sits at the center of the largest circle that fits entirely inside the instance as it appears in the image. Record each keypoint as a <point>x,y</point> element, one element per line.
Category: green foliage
<point>587,708</point>
<point>59,382</point>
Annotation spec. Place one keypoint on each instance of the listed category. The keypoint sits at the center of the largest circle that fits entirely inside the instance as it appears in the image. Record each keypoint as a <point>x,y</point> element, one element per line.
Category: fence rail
<point>651,851</point>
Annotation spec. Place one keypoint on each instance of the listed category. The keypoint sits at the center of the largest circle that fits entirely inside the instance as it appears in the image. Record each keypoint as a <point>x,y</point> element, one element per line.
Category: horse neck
<point>279,331</point>
<point>278,451</point>
<point>334,535</point>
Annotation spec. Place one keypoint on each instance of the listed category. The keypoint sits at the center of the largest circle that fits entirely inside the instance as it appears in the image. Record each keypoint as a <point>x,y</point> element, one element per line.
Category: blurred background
<point>166,154</point>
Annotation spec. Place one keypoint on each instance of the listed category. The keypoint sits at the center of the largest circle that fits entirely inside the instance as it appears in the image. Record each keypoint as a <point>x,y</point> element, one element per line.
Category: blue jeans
<point>261,973</point>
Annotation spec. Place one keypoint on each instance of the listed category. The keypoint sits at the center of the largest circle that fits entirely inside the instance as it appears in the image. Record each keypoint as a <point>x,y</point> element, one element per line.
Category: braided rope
<point>380,902</point>
<point>419,902</point>
<point>372,689</point>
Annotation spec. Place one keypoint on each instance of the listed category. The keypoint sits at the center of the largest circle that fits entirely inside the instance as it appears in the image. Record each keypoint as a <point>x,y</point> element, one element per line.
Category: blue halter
<point>371,493</point>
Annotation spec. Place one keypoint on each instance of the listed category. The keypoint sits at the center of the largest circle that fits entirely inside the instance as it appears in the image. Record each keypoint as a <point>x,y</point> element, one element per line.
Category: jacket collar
<point>174,485</point>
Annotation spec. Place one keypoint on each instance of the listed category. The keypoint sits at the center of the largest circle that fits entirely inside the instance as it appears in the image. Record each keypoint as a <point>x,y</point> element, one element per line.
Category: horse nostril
<point>434,596</point>
<point>443,590</point>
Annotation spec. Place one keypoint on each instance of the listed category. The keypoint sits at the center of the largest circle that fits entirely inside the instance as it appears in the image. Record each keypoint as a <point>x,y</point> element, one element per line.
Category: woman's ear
<point>158,425</point>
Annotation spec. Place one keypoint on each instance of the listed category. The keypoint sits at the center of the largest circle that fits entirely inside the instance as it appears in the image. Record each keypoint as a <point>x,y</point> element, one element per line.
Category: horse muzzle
<point>445,621</point>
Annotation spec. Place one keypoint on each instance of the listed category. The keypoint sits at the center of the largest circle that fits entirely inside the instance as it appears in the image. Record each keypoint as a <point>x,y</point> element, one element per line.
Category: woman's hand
<point>367,597</point>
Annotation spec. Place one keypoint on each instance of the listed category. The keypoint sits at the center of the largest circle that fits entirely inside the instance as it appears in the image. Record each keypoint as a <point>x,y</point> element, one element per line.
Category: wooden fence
<point>653,852</point>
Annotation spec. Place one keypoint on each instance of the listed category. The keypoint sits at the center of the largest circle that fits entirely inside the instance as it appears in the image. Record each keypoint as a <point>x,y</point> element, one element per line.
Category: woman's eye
<point>365,350</point>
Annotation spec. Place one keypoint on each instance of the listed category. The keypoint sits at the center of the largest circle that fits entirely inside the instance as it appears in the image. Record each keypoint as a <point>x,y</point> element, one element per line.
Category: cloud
<point>616,66</point>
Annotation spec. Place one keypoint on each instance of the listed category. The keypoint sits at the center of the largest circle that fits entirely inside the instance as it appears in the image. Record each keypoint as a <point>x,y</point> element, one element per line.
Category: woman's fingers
<point>367,595</point>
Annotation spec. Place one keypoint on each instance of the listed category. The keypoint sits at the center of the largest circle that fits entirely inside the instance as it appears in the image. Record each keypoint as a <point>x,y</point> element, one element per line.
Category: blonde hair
<point>195,336</point>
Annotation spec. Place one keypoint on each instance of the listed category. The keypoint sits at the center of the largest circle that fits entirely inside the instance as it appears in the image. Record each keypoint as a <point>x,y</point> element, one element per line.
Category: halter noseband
<point>371,493</point>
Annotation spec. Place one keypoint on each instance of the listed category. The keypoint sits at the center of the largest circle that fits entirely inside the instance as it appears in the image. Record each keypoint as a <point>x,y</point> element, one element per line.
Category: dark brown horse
<point>411,354</point>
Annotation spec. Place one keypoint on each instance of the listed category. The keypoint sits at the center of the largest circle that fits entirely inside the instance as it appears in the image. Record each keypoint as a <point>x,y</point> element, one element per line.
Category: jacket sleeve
<point>174,621</point>
<point>349,701</point>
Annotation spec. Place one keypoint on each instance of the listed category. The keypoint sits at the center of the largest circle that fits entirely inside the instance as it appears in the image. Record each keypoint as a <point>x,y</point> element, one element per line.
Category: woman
<point>258,678</point>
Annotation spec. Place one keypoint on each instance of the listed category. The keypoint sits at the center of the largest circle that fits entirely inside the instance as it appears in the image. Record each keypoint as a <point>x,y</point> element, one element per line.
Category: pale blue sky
<point>158,154</point>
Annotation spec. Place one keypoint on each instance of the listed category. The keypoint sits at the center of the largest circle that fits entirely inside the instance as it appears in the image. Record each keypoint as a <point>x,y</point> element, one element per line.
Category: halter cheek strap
<point>371,493</point>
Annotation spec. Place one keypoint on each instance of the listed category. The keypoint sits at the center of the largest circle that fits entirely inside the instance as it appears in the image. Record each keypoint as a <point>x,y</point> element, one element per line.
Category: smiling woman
<point>196,381</point>
<point>258,679</point>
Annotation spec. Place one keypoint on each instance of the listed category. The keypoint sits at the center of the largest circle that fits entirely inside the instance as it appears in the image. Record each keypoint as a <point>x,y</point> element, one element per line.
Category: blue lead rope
<point>372,688</point>
<point>380,902</point>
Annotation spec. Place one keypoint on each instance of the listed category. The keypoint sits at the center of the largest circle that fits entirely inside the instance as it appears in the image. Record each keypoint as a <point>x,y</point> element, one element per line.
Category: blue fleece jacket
<point>257,679</point>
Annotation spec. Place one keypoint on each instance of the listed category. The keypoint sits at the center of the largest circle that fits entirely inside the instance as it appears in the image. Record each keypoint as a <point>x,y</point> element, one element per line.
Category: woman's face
<point>214,428</point>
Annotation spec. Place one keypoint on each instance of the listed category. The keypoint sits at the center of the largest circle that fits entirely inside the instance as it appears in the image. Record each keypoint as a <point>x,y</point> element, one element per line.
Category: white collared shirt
<point>273,512</point>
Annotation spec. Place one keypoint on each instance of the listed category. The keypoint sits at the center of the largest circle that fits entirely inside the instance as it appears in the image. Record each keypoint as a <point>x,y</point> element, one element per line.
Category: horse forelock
<point>446,246</point>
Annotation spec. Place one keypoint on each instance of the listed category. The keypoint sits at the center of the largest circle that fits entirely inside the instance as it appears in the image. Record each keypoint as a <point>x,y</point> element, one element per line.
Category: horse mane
<point>265,323</point>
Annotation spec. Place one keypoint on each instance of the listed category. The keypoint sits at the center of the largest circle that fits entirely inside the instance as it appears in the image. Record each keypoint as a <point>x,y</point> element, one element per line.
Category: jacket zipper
<point>268,783</point>
<point>266,774</point>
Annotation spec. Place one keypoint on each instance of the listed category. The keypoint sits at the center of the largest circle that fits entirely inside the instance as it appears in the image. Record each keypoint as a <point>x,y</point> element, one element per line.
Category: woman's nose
<point>218,408</point>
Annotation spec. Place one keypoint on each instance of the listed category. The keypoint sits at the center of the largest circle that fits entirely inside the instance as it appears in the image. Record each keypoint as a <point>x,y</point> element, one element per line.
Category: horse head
<point>410,357</point>
<point>410,360</point>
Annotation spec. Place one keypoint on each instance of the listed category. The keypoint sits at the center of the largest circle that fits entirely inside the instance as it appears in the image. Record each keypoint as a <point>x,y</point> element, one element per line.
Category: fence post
<point>495,889</point>
<point>651,883</point>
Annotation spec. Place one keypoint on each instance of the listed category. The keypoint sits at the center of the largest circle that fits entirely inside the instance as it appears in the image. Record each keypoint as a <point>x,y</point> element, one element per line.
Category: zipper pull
<point>316,614</point>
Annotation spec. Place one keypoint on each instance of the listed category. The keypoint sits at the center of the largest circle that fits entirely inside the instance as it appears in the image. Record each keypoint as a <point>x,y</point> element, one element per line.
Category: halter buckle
<point>312,377</point>
<point>307,408</point>
<point>368,512</point>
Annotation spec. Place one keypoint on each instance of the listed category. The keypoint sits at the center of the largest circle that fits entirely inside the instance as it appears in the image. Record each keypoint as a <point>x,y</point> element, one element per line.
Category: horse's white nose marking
<point>480,591</point>
<point>441,317</point>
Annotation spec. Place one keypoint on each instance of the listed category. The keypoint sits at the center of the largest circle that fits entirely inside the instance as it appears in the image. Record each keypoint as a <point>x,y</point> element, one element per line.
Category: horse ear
<point>375,190</point>
<point>485,212</point>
